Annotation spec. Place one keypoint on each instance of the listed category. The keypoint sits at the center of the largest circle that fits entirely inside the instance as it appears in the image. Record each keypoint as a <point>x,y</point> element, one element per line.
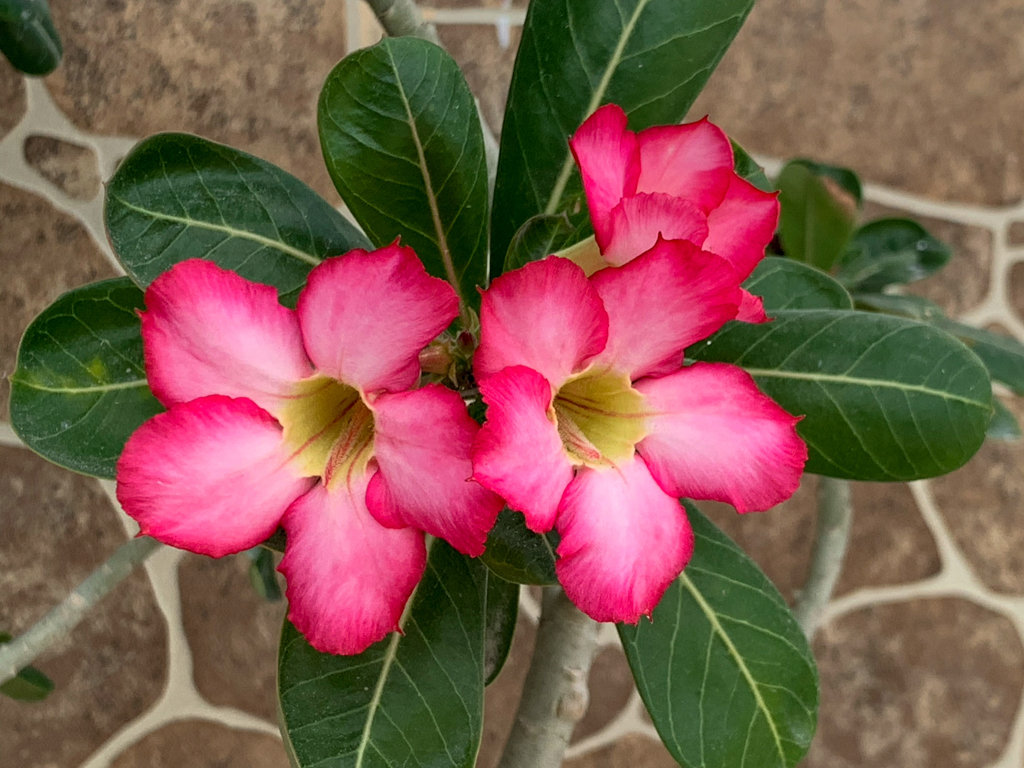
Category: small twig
<point>835,514</point>
<point>61,620</point>
<point>555,694</point>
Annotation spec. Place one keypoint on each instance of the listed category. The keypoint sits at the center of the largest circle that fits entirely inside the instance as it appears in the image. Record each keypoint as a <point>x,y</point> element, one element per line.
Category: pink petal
<point>208,476</point>
<point>659,304</point>
<point>545,316</point>
<point>742,226</point>
<point>209,331</point>
<point>366,316</point>
<point>422,444</point>
<point>717,436</point>
<point>518,452</point>
<point>638,221</point>
<point>623,542</point>
<point>691,161</point>
<point>751,308</point>
<point>608,157</point>
<point>349,577</point>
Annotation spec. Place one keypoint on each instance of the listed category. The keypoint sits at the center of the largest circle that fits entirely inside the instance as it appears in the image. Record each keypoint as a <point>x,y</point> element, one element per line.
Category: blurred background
<point>921,659</point>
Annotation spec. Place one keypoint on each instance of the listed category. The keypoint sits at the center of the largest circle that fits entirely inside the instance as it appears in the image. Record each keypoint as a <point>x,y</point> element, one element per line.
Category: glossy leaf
<point>29,684</point>
<point>818,213</point>
<point>723,668</point>
<point>177,197</point>
<point>263,574</point>
<point>412,699</point>
<point>501,610</point>
<point>651,57</point>
<point>885,398</point>
<point>403,144</point>
<point>914,307</point>
<point>540,236</point>
<point>787,284</point>
<point>79,389</point>
<point>1004,425</point>
<point>747,168</point>
<point>28,38</point>
<point>1002,355</point>
<point>890,251</point>
<point>517,554</point>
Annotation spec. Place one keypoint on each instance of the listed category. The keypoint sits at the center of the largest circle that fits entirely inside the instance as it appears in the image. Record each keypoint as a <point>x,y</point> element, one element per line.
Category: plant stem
<point>61,620</point>
<point>835,513</point>
<point>555,694</point>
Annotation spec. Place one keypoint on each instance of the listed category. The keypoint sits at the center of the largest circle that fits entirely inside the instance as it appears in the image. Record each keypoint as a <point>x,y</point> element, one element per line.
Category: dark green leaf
<point>890,251</point>
<point>517,554</point>
<point>412,699</point>
<point>723,667</point>
<point>79,389</point>
<point>28,38</point>
<point>540,236</point>
<point>1002,355</point>
<point>262,574</point>
<point>403,143</point>
<point>1003,425</point>
<point>747,168</point>
<point>914,307</point>
<point>787,284</point>
<point>818,212</point>
<point>178,197</point>
<point>885,398</point>
<point>501,610</point>
<point>652,57</point>
<point>29,685</point>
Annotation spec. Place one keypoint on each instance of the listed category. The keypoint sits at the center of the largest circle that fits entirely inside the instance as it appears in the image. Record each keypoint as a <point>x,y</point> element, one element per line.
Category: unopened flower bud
<point>436,359</point>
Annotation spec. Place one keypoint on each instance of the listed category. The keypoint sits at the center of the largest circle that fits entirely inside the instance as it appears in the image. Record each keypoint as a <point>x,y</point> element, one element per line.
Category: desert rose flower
<point>676,181</point>
<point>308,419</point>
<point>595,428</point>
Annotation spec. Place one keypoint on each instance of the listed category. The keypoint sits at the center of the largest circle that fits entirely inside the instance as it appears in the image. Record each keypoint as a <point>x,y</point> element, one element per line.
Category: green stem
<point>835,515</point>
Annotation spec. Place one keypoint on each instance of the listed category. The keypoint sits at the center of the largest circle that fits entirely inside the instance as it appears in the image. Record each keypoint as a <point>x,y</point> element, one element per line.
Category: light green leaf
<point>787,284</point>
<point>819,210</point>
<point>747,168</point>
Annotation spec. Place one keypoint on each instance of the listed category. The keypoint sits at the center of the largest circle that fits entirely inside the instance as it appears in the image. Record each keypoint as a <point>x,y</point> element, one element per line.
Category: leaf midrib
<point>133,384</point>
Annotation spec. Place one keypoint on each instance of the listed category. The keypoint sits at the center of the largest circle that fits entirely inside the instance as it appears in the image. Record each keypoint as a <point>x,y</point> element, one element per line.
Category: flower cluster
<point>312,419</point>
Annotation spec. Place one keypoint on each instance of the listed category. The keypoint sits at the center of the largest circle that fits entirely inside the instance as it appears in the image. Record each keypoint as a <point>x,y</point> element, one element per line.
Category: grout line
<point>9,438</point>
<point>481,16</point>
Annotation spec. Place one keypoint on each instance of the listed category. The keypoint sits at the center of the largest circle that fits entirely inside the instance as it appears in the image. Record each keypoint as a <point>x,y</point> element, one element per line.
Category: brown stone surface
<point>1015,233</point>
<point>981,503</point>
<point>71,167</point>
<point>502,696</point>
<point>233,634</point>
<point>44,253</point>
<point>869,84</point>
<point>610,684</point>
<point>12,97</point>
<point>925,684</point>
<point>1015,288</point>
<point>630,751</point>
<point>56,528</point>
<point>487,66</point>
<point>200,744</point>
<point>240,72</point>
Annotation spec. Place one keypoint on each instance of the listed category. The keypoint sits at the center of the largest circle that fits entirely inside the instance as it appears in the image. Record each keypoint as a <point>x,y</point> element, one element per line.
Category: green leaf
<point>747,168</point>
<point>787,284</point>
<point>177,197</point>
<point>540,236</point>
<point>1003,425</point>
<point>29,685</point>
<point>723,668</point>
<point>402,140</point>
<point>412,699</point>
<point>651,57</point>
<point>79,389</point>
<point>1002,355</point>
<point>28,38</point>
<point>885,398</point>
<point>914,307</point>
<point>262,574</point>
<point>819,210</point>
<point>890,251</point>
<point>517,554</point>
<point>501,610</point>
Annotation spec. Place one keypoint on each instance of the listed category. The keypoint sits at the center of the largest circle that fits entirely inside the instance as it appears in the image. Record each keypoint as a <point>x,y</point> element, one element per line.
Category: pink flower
<point>595,428</point>
<point>676,181</point>
<point>309,419</point>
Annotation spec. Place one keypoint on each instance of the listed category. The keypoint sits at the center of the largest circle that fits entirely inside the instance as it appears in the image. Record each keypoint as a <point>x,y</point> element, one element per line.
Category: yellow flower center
<point>600,417</point>
<point>328,428</point>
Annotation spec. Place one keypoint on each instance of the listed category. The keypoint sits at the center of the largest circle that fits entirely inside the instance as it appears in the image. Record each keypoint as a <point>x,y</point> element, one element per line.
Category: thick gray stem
<point>21,651</point>
<point>835,513</point>
<point>555,694</point>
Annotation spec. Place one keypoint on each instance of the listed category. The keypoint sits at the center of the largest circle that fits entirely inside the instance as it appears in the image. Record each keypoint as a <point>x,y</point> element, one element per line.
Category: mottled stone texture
<point>486,65</point>
<point>56,528</point>
<point>44,253</point>
<point>70,167</point>
<point>12,97</point>
<point>628,752</point>
<point>926,96</point>
<point>199,744</point>
<point>243,73</point>
<point>1015,233</point>
<point>924,684</point>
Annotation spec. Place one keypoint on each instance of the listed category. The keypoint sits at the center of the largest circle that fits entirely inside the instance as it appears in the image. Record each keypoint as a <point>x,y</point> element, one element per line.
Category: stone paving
<point>921,659</point>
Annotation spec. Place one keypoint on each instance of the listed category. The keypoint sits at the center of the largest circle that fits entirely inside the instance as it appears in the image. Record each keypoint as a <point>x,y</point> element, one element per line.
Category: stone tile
<point>12,97</point>
<point>57,527</point>
<point>243,73</point>
<point>486,65</point>
<point>233,634</point>
<point>981,503</point>
<point>867,84</point>
<point>964,282</point>
<point>200,744</point>
<point>611,683</point>
<point>502,696</point>
<point>1015,233</point>
<point>924,684</point>
<point>628,752</point>
<point>71,167</point>
<point>44,253</point>
<point>1015,289</point>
